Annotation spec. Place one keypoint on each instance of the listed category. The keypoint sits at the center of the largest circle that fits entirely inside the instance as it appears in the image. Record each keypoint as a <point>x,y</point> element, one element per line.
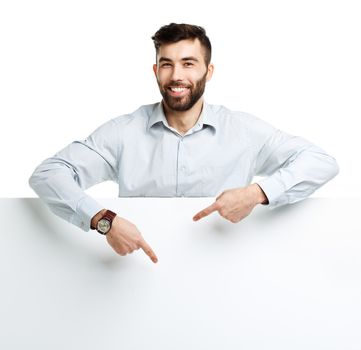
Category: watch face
<point>103,225</point>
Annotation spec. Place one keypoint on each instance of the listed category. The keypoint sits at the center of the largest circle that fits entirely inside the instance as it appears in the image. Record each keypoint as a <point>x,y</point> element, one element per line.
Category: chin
<point>180,107</point>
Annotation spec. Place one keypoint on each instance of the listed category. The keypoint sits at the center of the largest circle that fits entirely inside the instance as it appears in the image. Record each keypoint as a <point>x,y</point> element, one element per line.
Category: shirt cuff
<point>87,207</point>
<point>274,189</point>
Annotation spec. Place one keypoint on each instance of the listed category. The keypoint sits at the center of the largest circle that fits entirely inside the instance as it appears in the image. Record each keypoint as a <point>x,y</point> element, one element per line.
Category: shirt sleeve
<point>60,181</point>
<point>294,168</point>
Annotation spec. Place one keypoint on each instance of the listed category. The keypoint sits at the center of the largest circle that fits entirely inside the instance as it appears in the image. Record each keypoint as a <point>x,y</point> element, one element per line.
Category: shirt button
<point>183,168</point>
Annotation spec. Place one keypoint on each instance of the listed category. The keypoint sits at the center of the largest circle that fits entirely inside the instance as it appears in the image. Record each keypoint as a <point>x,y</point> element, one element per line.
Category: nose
<point>177,73</point>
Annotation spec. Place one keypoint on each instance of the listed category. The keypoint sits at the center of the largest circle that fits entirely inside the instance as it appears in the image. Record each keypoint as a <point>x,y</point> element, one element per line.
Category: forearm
<point>60,181</point>
<point>300,177</point>
<point>57,187</point>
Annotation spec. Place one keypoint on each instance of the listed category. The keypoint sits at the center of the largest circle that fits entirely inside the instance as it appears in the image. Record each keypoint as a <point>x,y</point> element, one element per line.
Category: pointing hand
<point>124,238</point>
<point>235,204</point>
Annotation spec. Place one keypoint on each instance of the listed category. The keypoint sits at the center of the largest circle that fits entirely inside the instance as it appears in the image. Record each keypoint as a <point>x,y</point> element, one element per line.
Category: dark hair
<point>174,32</point>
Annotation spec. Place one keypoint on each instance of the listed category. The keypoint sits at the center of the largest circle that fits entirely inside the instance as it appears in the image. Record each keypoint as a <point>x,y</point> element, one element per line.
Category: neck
<point>184,120</point>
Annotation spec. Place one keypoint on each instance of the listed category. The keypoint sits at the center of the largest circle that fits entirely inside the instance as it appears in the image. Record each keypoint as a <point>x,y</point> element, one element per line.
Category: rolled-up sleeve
<point>60,181</point>
<point>293,168</point>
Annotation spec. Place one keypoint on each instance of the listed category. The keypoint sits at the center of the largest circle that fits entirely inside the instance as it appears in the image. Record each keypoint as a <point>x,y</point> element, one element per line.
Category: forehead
<point>184,48</point>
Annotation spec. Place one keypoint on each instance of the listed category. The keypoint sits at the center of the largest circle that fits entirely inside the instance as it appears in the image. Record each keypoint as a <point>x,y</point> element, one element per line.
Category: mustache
<point>178,84</point>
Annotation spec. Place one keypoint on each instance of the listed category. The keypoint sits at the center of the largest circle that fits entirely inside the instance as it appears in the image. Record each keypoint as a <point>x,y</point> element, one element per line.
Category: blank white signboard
<point>288,278</point>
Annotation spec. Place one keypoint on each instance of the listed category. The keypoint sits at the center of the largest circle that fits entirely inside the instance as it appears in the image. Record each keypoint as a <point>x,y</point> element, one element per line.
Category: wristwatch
<point>105,223</point>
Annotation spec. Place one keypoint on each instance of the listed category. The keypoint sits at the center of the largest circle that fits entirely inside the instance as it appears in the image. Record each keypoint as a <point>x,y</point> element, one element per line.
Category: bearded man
<point>180,147</point>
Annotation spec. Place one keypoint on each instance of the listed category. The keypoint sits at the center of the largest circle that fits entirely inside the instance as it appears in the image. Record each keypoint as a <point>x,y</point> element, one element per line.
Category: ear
<point>210,70</point>
<point>155,69</point>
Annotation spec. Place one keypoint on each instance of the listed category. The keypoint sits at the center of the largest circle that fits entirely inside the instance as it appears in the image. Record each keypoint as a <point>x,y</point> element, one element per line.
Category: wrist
<point>259,196</point>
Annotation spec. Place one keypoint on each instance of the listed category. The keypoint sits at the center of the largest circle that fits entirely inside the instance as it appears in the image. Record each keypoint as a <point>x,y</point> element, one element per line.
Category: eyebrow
<point>189,58</point>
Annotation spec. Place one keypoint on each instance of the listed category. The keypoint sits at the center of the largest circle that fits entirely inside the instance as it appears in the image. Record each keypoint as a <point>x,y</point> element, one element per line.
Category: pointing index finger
<point>205,212</point>
<point>148,250</point>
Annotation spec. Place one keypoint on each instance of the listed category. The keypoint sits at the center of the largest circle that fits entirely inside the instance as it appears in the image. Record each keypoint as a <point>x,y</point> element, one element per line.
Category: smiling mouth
<point>178,90</point>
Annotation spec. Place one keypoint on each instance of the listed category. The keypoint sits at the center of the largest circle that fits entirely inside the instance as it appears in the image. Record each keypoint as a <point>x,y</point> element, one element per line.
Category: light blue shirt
<point>148,158</point>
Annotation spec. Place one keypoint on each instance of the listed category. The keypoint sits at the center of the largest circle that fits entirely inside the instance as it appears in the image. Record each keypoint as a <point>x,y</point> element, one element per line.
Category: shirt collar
<point>207,117</point>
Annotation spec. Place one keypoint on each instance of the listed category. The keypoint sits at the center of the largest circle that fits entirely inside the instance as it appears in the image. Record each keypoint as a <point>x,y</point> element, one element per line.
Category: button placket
<point>181,168</point>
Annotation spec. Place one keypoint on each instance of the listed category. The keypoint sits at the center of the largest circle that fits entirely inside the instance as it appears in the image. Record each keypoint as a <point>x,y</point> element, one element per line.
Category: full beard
<point>183,103</point>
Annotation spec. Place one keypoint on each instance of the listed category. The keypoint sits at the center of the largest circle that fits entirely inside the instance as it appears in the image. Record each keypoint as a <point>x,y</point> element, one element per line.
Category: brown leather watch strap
<point>110,215</point>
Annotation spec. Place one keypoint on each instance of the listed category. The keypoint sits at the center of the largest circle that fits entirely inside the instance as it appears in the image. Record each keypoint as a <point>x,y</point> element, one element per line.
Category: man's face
<point>181,73</point>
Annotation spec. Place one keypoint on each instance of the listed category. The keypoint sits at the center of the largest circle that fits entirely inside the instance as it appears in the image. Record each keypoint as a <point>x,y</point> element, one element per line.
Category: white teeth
<point>178,89</point>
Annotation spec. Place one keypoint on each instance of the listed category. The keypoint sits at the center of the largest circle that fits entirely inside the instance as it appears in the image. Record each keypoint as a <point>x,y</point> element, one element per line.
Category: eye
<point>188,64</point>
<point>166,65</point>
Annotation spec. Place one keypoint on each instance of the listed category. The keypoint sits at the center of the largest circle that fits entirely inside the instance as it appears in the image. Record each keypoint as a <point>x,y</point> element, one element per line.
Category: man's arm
<point>295,169</point>
<point>60,182</point>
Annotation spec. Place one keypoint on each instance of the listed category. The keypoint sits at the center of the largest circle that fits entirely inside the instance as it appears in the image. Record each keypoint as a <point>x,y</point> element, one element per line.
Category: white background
<point>68,66</point>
